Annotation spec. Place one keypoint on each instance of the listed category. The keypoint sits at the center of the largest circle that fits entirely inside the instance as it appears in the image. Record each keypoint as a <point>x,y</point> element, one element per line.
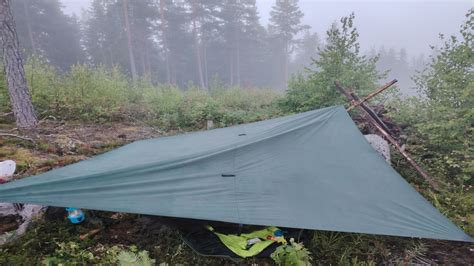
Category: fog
<point>410,24</point>
<point>227,42</point>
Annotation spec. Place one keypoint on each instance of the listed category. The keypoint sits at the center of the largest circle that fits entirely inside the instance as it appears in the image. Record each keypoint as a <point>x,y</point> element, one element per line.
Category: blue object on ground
<point>76,216</point>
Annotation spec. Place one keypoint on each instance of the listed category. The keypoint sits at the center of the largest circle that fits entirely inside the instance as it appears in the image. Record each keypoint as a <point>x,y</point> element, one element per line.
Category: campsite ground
<point>54,239</point>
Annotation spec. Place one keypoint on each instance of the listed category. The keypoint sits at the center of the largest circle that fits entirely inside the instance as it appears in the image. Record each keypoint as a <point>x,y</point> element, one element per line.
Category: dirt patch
<point>57,144</point>
<point>450,252</point>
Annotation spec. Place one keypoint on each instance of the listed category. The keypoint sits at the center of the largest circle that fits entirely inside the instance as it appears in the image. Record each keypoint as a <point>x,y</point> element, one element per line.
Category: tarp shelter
<point>312,170</point>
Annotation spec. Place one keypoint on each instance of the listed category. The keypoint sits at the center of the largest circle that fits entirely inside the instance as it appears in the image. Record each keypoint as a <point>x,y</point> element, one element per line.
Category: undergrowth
<point>98,94</point>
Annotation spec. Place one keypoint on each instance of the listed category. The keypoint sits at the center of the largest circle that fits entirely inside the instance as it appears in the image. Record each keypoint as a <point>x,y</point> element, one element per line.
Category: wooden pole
<point>355,101</point>
<point>354,98</point>
<point>371,95</point>
<point>371,113</point>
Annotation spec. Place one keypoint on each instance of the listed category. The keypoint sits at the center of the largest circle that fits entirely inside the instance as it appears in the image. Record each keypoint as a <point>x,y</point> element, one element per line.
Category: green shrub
<point>196,107</point>
<point>162,104</point>
<point>46,86</point>
<point>98,94</point>
<point>294,254</point>
<point>236,106</point>
<point>339,60</point>
<point>94,93</point>
<point>441,124</point>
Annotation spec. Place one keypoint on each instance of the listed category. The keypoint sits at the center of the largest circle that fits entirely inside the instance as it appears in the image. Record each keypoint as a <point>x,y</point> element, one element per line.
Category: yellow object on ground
<point>239,244</point>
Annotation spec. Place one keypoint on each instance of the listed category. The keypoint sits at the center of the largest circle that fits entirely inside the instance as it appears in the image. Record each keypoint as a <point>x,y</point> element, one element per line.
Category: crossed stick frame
<point>380,125</point>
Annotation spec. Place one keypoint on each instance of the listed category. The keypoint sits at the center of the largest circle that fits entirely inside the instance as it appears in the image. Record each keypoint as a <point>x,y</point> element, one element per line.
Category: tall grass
<point>99,94</point>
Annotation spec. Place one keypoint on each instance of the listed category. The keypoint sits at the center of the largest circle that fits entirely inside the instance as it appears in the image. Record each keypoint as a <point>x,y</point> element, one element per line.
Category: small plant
<point>131,258</point>
<point>69,252</point>
<point>293,254</point>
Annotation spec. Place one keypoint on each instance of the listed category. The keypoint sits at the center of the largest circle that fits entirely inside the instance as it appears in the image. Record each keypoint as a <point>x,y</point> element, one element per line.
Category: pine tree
<point>128,30</point>
<point>118,32</point>
<point>20,98</point>
<point>95,33</point>
<point>177,39</point>
<point>285,24</point>
<point>45,30</point>
<point>196,13</point>
<point>252,54</point>
<point>306,52</point>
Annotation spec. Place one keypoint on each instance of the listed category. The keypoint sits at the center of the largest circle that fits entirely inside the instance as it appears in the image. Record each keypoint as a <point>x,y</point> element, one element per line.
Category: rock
<point>210,124</point>
<point>380,145</point>
<point>66,145</point>
<point>7,169</point>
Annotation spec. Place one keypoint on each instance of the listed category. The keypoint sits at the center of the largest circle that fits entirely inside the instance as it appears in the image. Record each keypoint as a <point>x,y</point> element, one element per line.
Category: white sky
<point>413,24</point>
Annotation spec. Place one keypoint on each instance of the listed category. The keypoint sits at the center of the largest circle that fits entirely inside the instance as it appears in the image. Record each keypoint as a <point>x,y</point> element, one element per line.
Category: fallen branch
<point>6,114</point>
<point>17,136</point>
<point>89,234</point>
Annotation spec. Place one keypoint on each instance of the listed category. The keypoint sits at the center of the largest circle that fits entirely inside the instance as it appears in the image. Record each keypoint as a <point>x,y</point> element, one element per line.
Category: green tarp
<point>313,170</point>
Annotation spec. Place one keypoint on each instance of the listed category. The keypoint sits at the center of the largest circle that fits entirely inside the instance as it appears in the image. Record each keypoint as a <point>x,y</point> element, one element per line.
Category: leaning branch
<point>373,94</point>
<point>377,123</point>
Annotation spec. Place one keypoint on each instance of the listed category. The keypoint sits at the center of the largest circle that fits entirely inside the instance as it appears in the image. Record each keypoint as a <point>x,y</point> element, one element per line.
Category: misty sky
<point>413,24</point>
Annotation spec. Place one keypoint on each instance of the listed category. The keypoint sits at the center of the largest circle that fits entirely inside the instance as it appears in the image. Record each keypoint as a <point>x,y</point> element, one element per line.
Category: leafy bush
<point>340,60</point>
<point>235,106</point>
<point>162,104</point>
<point>294,254</point>
<point>98,94</point>
<point>441,124</point>
<point>196,107</point>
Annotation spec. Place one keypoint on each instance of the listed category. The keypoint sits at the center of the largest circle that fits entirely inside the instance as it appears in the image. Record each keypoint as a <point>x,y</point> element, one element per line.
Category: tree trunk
<point>165,42</point>
<point>147,58</point>
<point>28,27</point>
<point>196,45</point>
<point>129,42</point>
<point>285,74</point>
<point>204,57</point>
<point>231,67</point>
<point>206,72</point>
<point>237,55</point>
<point>20,98</point>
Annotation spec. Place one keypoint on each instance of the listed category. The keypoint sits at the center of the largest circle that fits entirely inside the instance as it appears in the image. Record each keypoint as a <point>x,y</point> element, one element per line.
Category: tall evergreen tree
<point>252,46</point>
<point>306,52</point>
<point>45,30</point>
<point>285,24</point>
<point>241,38</point>
<point>112,40</point>
<point>128,32</point>
<point>95,34</point>
<point>177,40</point>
